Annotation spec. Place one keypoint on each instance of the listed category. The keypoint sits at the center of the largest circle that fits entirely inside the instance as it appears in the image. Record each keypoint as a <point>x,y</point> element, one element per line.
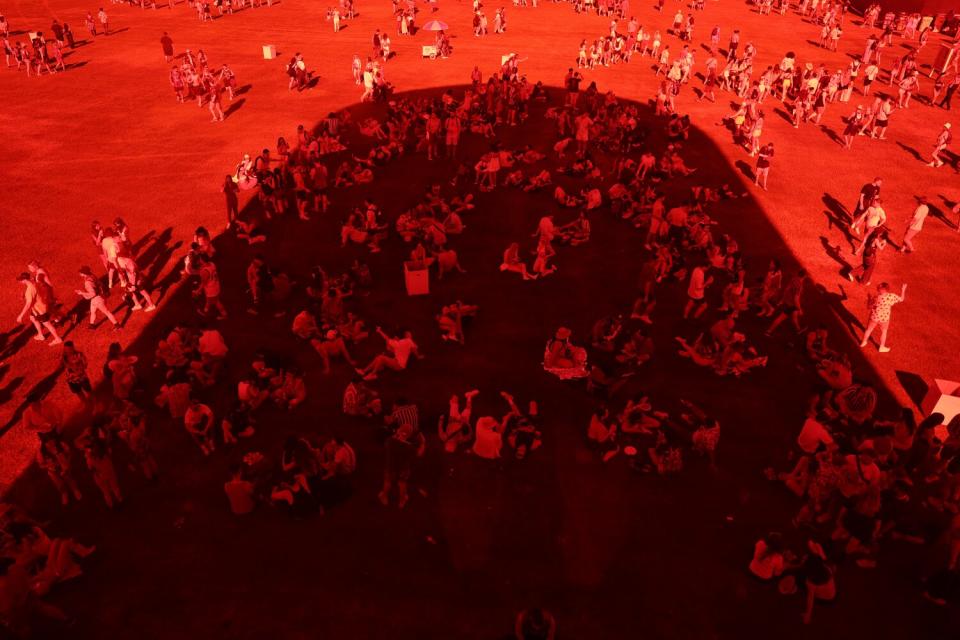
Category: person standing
<point>209,288</point>
<point>357,69</point>
<point>869,220</point>
<point>402,448</point>
<point>99,459</point>
<point>763,164</point>
<point>198,421</point>
<point>881,306</point>
<point>696,291</point>
<point>943,140</point>
<point>230,191</point>
<point>915,225</point>
<point>75,370</point>
<point>91,24</point>
<point>868,193</point>
<point>166,43</point>
<point>452,130</point>
<point>102,17</point>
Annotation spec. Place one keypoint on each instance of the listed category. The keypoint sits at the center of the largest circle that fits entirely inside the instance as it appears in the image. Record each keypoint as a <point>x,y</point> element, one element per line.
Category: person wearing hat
<point>943,140</point>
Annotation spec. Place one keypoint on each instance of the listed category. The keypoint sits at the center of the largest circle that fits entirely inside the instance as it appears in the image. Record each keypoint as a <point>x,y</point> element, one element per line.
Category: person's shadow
<point>835,253</point>
<point>836,301</point>
<point>911,151</point>
<point>13,340</point>
<point>746,170</point>
<point>783,114</point>
<point>836,212</point>
<point>833,135</point>
<point>236,104</point>
<point>939,213</point>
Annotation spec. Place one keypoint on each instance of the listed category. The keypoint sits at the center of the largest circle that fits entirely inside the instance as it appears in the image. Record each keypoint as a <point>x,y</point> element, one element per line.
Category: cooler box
<point>416,275</point>
<point>269,51</point>
<point>429,51</point>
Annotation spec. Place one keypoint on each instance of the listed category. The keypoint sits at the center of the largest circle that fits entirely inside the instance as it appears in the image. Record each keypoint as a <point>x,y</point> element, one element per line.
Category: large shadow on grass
<point>606,548</point>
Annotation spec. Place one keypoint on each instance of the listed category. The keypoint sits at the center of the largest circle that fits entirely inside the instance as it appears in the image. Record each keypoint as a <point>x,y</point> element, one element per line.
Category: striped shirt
<point>405,414</point>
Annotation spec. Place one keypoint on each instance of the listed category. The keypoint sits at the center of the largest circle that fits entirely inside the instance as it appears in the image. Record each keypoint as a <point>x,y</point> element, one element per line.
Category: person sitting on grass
<point>396,357</point>
<point>360,400</point>
<point>577,232</point>
<point>563,359</point>
<point>512,262</point>
<point>451,322</point>
<point>454,429</point>
<point>331,346</point>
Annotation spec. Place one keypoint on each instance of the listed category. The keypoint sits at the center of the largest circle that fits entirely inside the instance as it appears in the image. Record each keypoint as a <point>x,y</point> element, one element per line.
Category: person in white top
<point>396,357</point>
<point>768,561</point>
<point>869,220</point>
<point>813,436</point>
<point>696,291</point>
<point>915,224</point>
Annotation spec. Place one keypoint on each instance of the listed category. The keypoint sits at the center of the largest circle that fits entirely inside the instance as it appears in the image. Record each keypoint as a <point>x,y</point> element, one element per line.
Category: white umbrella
<point>435,25</point>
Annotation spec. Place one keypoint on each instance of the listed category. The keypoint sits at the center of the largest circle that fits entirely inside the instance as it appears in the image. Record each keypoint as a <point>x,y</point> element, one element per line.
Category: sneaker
<point>39,338</point>
<point>150,308</point>
<point>863,344</point>
<point>884,349</point>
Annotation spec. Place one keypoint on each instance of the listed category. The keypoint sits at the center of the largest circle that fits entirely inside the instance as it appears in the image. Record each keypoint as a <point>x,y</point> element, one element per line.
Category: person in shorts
<point>75,371</point>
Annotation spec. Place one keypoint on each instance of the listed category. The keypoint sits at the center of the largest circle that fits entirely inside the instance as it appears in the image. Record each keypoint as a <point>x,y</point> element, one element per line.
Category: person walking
<point>873,244</point>
<point>881,307</point>
<point>915,225</point>
<point>94,292</point>
<point>943,140</point>
<point>38,302</point>
<point>948,96</point>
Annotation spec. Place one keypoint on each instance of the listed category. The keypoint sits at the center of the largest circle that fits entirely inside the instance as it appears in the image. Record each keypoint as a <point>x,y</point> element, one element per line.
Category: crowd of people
<point>37,54</point>
<point>193,79</point>
<point>862,476</point>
